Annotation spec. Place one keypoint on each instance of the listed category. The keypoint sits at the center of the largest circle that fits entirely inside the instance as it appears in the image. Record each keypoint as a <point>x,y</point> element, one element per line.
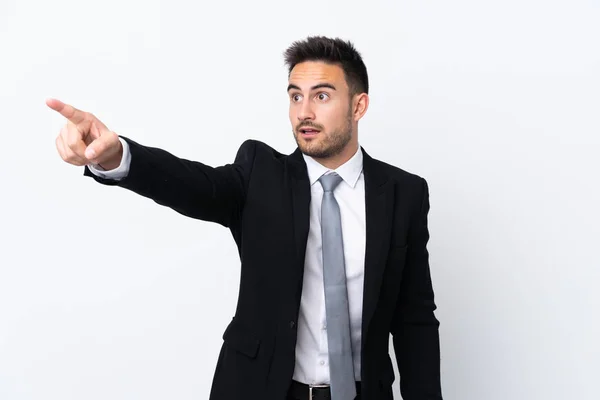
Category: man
<point>332,242</point>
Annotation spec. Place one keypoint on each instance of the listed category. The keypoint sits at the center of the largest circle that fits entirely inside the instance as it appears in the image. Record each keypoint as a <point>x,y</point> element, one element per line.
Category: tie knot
<point>330,181</point>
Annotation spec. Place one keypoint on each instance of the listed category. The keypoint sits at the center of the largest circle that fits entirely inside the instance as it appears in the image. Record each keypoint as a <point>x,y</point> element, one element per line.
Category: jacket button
<point>292,324</point>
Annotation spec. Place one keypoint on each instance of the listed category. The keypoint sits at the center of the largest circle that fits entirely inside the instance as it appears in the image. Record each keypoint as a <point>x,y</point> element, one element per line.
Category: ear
<point>360,104</point>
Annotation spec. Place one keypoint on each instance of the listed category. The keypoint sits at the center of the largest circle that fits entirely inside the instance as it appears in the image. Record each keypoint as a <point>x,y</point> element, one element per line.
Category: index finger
<point>69,112</point>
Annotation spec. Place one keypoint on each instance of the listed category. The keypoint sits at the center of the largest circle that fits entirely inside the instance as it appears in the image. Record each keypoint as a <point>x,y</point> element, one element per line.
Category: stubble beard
<point>328,145</point>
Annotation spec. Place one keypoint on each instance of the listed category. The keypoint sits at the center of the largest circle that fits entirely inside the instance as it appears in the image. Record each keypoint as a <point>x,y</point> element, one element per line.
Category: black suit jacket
<point>263,198</point>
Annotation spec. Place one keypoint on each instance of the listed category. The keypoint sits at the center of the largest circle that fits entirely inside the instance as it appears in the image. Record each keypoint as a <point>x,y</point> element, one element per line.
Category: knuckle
<point>71,142</point>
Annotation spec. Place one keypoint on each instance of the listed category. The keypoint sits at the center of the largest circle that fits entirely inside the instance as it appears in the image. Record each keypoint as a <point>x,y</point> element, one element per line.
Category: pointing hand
<point>84,139</point>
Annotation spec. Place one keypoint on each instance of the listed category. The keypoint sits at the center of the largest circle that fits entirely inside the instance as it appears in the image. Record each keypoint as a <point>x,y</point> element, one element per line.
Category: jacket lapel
<point>300,190</point>
<point>379,201</point>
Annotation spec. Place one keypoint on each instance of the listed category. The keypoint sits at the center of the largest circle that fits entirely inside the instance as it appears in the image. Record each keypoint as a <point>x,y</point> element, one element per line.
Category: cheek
<point>292,115</point>
<point>335,113</point>
<point>335,119</point>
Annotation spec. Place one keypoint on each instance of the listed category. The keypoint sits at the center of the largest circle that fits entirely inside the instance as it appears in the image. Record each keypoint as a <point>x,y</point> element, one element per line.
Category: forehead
<point>311,72</point>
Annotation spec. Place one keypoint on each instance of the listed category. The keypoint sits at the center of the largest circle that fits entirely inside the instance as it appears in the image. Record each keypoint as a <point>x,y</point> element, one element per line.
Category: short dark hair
<point>331,51</point>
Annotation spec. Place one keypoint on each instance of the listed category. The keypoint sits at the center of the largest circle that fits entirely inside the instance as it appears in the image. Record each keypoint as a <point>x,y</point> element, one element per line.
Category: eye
<point>295,97</point>
<point>322,96</point>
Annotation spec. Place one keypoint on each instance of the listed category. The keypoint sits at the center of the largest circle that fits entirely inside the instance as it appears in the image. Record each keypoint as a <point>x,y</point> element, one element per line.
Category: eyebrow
<point>318,86</point>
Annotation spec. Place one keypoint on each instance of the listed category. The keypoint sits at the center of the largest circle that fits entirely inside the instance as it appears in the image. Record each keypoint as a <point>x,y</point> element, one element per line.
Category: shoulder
<point>404,179</point>
<point>263,153</point>
<point>411,189</point>
<point>259,149</point>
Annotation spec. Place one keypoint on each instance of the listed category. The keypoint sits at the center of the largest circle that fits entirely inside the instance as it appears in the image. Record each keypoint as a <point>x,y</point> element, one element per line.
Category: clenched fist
<point>85,139</point>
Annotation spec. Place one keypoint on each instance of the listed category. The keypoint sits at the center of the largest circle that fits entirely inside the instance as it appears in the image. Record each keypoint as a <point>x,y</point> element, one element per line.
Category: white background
<point>106,295</point>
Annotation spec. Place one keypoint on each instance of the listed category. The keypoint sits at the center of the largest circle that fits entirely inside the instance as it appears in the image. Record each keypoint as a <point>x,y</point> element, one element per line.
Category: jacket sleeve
<point>415,327</point>
<point>191,188</point>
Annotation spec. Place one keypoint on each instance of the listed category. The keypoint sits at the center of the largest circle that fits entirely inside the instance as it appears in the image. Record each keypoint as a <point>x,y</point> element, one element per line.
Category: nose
<point>306,112</point>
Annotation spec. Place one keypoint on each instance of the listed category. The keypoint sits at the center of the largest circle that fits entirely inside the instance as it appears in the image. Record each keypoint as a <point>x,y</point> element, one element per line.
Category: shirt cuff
<point>118,173</point>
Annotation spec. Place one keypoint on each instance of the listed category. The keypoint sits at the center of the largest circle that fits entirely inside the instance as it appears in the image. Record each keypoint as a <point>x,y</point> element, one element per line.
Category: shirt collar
<point>349,171</point>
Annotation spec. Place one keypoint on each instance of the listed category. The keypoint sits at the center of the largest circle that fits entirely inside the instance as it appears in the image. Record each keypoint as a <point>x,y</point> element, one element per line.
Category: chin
<point>320,147</point>
<point>316,151</point>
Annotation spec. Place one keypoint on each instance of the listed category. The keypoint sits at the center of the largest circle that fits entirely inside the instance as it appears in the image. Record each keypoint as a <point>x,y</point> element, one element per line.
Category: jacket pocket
<point>239,338</point>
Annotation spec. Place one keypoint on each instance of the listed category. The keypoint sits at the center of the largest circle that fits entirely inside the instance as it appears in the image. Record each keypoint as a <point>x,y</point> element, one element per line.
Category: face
<point>322,112</point>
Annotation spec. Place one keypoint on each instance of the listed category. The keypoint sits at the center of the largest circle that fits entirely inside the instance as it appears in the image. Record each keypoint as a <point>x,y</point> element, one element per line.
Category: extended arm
<point>191,188</point>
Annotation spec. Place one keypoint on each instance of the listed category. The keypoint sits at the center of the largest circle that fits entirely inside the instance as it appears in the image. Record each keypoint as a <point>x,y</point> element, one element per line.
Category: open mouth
<point>308,131</point>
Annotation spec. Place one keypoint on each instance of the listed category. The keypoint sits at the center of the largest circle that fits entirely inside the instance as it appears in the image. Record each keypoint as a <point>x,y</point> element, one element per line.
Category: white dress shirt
<point>312,365</point>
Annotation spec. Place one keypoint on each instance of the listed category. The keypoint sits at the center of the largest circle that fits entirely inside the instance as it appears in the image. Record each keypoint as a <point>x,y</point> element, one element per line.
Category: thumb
<point>103,145</point>
<point>90,151</point>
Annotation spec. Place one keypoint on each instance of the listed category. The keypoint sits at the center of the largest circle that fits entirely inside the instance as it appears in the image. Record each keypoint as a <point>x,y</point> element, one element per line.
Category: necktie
<point>341,367</point>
